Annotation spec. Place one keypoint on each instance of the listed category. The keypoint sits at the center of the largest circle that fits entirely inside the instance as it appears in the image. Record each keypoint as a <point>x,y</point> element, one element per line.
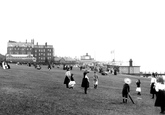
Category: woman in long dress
<point>85,82</point>
<point>160,95</point>
<point>67,78</point>
<point>152,88</point>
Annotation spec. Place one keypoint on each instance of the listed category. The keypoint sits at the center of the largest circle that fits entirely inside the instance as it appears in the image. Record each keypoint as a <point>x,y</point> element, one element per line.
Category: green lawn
<point>27,91</point>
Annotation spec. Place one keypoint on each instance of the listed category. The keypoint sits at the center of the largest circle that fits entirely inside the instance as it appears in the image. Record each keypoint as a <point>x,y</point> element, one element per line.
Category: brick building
<point>25,51</point>
<point>43,53</point>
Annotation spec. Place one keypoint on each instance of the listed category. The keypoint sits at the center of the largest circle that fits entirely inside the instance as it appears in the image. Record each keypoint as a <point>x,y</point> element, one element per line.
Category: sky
<point>133,29</point>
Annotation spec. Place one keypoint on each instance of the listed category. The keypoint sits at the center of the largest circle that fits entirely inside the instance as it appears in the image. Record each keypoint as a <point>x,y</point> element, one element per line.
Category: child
<point>72,82</point>
<point>138,89</point>
<point>126,89</point>
<point>95,80</point>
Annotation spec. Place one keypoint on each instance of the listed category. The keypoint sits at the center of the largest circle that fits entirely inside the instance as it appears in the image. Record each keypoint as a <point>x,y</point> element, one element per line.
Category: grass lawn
<point>27,91</point>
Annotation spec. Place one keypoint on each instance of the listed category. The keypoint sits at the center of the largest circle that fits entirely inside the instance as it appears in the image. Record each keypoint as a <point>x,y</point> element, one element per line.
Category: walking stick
<point>131,98</point>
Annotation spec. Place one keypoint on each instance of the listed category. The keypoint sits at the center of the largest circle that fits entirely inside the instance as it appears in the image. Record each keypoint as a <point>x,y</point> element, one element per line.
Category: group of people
<point>126,89</point>
<point>70,82</point>
<point>158,88</point>
<point>66,67</point>
<point>5,65</point>
<point>69,79</point>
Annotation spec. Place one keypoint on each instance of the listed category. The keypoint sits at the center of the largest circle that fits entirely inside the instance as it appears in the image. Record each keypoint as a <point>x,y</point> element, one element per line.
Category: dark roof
<point>12,41</point>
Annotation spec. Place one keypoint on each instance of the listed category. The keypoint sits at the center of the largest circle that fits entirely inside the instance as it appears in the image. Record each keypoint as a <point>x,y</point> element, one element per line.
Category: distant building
<point>20,47</point>
<point>126,69</point>
<point>65,60</point>
<point>87,60</point>
<point>43,53</point>
<point>28,52</point>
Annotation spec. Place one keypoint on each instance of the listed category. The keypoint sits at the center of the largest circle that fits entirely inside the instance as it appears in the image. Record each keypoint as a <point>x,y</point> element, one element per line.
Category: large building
<point>28,52</point>
<point>43,53</point>
<point>20,47</point>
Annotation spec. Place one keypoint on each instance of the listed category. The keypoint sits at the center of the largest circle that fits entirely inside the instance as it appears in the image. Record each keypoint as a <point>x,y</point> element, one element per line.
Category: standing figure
<point>138,89</point>
<point>152,88</point>
<point>72,81</point>
<point>67,76</point>
<point>95,80</point>
<point>126,89</point>
<point>49,66</point>
<point>115,72</point>
<point>160,95</point>
<point>85,81</point>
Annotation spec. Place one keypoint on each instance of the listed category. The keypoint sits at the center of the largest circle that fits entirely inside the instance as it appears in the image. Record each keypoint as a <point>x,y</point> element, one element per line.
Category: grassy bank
<point>27,91</point>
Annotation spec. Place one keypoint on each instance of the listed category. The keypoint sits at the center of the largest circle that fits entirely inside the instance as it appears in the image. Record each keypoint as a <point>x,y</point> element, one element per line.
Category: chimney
<point>130,63</point>
<point>37,43</point>
<point>46,44</point>
<point>26,40</point>
<point>33,41</point>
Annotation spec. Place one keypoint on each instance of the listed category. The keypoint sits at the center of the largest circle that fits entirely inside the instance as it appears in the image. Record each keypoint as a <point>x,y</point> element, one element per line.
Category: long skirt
<point>152,89</point>
<point>66,80</point>
<point>72,83</point>
<point>160,99</point>
<point>138,89</point>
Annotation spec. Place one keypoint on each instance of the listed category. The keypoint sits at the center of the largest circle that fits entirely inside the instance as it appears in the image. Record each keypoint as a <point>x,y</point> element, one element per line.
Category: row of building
<point>29,52</point>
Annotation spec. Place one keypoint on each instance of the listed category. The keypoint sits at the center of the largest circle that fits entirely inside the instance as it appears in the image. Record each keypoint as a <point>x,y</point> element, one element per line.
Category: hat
<point>127,81</point>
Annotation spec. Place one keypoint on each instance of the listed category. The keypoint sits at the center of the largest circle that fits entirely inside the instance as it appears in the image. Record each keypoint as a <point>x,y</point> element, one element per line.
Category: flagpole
<point>114,55</point>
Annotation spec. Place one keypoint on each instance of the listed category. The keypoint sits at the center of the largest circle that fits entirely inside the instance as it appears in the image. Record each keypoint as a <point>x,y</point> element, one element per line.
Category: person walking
<point>49,67</point>
<point>67,76</point>
<point>138,89</point>
<point>95,80</point>
<point>160,95</point>
<point>152,88</point>
<point>85,81</point>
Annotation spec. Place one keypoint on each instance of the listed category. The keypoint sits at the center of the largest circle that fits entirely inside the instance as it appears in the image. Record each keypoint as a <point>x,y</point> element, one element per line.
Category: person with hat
<point>160,94</point>
<point>126,89</point>
<point>85,81</point>
<point>67,76</point>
